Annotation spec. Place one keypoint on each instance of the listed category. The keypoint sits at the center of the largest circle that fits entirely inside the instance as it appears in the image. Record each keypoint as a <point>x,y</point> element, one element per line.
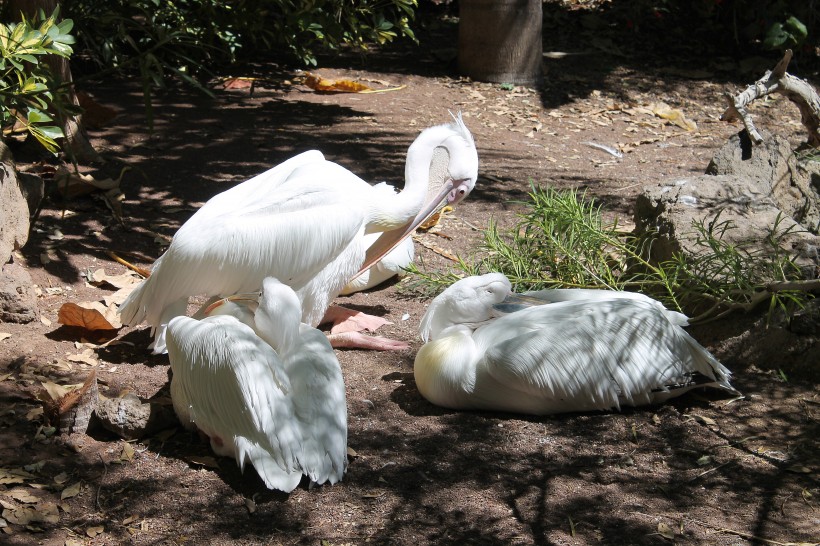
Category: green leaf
<point>36,116</point>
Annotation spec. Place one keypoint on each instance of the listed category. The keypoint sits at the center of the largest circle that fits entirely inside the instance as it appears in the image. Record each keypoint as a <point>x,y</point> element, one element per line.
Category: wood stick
<point>798,91</point>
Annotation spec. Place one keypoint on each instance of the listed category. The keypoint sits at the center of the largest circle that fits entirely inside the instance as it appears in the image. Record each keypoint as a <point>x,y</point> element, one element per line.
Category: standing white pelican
<point>392,264</point>
<point>303,222</point>
<point>269,392</point>
<point>612,349</point>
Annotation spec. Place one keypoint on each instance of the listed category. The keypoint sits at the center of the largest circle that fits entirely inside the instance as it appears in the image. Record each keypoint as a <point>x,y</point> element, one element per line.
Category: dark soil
<point>700,470</point>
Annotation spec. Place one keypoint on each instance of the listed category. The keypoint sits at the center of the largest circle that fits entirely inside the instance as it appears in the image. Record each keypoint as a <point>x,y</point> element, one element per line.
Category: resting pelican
<point>263,387</point>
<point>599,353</point>
<point>303,222</point>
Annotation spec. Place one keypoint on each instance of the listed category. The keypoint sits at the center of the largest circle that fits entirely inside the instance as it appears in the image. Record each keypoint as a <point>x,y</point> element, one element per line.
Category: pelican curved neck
<point>403,208</point>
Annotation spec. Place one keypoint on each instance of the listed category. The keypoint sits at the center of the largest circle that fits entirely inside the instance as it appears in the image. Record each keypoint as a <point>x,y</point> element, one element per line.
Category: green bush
<point>31,96</point>
<point>184,38</point>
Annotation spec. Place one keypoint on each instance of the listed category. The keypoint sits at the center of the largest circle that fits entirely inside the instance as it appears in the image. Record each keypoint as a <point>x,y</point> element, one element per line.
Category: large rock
<point>18,300</point>
<point>14,211</point>
<point>754,188</point>
<point>131,418</point>
<point>792,186</point>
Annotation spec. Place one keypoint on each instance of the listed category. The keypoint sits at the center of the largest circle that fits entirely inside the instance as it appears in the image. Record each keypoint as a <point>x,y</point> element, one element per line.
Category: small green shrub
<point>31,96</point>
<point>562,241</point>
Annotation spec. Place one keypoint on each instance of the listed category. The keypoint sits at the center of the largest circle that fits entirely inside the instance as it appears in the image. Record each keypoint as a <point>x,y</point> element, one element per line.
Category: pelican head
<point>466,303</point>
<point>463,166</point>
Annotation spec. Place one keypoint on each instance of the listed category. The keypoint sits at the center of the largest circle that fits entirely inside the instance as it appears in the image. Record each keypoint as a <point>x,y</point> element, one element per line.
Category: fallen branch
<point>799,91</point>
<point>755,299</point>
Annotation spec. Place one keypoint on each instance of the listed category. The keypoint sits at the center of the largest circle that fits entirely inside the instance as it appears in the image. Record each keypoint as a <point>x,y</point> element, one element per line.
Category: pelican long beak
<point>251,297</point>
<point>452,192</point>
<point>516,302</point>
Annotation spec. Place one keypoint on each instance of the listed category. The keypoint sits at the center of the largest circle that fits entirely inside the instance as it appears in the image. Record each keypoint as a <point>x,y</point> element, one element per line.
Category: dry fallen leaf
<point>206,461</point>
<point>122,280</point>
<point>4,335</point>
<point>708,421</point>
<point>71,491</point>
<point>324,85</point>
<point>86,357</point>
<point>665,531</point>
<point>88,315</point>
<point>318,83</point>
<point>14,475</point>
<point>238,83</point>
<point>94,531</point>
<point>118,297</point>
<point>673,115</point>
<point>22,495</point>
<point>45,512</point>
<point>127,453</point>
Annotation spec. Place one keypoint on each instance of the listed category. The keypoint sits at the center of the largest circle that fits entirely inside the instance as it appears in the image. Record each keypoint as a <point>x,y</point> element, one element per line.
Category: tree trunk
<point>500,40</point>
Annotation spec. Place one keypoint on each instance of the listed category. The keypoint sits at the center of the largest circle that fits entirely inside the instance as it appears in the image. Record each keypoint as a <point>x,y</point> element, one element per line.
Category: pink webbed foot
<point>349,320</point>
<point>348,324</point>
<point>357,340</point>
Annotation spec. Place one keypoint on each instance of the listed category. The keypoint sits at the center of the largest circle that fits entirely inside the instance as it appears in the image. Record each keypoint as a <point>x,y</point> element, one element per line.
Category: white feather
<point>303,222</point>
<point>577,354</point>
<point>273,397</point>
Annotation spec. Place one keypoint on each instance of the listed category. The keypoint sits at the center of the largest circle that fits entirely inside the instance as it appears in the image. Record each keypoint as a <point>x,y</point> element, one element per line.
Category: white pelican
<point>303,222</point>
<point>609,350</point>
<point>392,264</point>
<point>269,392</point>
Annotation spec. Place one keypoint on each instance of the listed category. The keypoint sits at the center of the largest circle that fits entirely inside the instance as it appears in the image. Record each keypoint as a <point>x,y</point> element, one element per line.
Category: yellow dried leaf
<point>61,478</point>
<point>127,453</point>
<point>664,111</point>
<point>4,335</point>
<point>86,315</point>
<point>74,542</point>
<point>318,83</point>
<point>129,520</point>
<point>4,376</point>
<point>665,531</point>
<point>94,531</point>
<point>71,491</point>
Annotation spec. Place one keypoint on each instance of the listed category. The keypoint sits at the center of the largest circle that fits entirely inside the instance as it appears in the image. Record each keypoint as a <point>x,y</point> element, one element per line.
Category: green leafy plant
<point>564,241</point>
<point>185,39</point>
<point>31,96</point>
<point>788,34</point>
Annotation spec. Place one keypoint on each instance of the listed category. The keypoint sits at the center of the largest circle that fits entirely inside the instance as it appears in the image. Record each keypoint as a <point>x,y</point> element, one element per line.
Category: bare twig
<point>797,90</point>
<point>102,478</point>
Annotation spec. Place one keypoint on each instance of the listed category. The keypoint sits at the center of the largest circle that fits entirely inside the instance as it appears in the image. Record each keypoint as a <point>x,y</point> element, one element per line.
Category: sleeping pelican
<point>602,352</point>
<point>263,387</point>
<point>303,222</point>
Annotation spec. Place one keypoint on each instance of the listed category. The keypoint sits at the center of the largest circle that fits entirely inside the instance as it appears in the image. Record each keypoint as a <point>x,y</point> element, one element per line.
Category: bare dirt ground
<point>696,471</point>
